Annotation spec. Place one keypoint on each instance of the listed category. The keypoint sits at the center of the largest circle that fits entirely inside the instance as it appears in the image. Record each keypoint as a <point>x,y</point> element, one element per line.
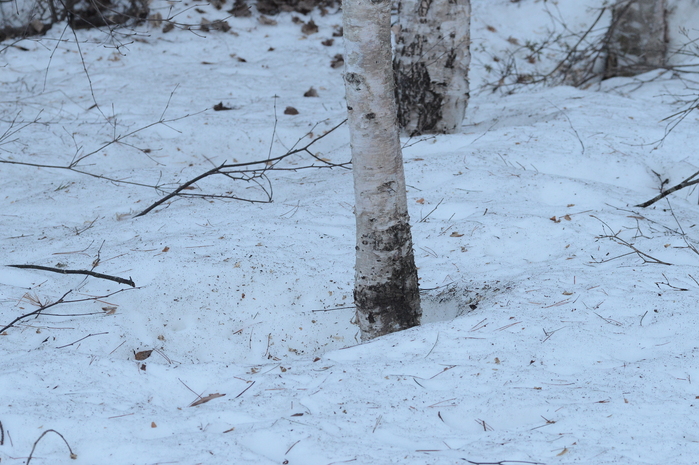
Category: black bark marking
<point>355,80</point>
<point>415,92</point>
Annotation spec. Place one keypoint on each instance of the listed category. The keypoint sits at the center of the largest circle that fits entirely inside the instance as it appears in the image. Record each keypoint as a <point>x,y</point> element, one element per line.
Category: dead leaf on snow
<point>142,355</point>
<point>311,93</point>
<point>240,9</point>
<point>338,61</point>
<point>266,21</point>
<point>204,400</point>
<point>309,28</point>
<point>455,234</point>
<point>109,310</point>
<point>291,111</point>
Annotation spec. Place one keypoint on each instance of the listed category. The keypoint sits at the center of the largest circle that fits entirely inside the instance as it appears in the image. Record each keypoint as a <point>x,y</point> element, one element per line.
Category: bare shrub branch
<point>614,236</point>
<point>61,300</point>
<point>254,171</point>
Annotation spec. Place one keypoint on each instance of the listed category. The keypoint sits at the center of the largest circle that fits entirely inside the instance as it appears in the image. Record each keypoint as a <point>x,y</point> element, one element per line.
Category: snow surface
<point>543,341</point>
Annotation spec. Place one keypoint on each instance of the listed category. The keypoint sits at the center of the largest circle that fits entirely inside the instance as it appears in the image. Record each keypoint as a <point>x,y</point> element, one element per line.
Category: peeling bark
<point>386,287</point>
<point>431,65</point>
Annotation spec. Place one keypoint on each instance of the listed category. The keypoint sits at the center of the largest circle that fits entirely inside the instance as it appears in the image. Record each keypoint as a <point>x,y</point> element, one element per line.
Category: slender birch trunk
<point>638,37</point>
<point>431,65</point>
<point>386,291</point>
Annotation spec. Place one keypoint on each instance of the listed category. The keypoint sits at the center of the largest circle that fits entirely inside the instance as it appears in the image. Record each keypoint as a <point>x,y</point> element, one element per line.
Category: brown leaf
<point>142,355</point>
<point>153,425</point>
<point>566,217</point>
<point>309,28</point>
<point>266,21</point>
<point>564,451</point>
<point>513,41</point>
<point>338,32</point>
<point>455,234</point>
<point>204,400</point>
<point>109,310</point>
<point>338,61</point>
<point>166,249</point>
<point>328,42</point>
<point>311,93</point>
<point>491,29</point>
<point>554,219</point>
<point>420,201</point>
<point>297,415</point>
<point>291,111</point>
<point>240,9</point>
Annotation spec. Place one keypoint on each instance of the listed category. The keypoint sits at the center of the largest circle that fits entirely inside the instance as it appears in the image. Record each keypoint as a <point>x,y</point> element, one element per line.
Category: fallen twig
<point>85,272</point>
<point>81,339</point>
<point>72,454</point>
<point>502,462</point>
<point>663,194</point>
<point>245,390</point>
<point>332,309</point>
<point>39,310</point>
<point>615,237</point>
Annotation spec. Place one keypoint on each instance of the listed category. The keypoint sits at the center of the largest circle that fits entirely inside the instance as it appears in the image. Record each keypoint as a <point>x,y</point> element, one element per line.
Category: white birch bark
<point>431,65</point>
<point>638,37</point>
<point>386,288</point>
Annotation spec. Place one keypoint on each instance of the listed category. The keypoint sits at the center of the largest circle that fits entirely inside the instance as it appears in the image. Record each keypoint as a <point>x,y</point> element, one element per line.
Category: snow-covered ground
<point>545,338</point>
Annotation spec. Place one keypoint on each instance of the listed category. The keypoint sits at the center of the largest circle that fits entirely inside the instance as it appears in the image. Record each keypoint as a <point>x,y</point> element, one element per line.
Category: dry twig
<point>31,454</point>
<point>690,181</point>
<point>62,300</point>
<point>85,272</point>
<point>254,171</point>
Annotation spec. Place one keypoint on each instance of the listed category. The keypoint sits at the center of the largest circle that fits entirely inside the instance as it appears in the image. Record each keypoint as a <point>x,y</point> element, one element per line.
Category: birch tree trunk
<point>431,65</point>
<point>638,37</point>
<point>386,291</point>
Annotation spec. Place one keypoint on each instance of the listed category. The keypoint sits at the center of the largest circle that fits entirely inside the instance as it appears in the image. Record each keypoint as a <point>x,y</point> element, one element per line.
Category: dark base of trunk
<point>392,305</point>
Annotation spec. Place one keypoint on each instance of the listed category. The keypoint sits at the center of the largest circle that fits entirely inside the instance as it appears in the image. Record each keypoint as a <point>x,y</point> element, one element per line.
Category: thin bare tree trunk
<point>431,65</point>
<point>386,290</point>
<point>638,37</point>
